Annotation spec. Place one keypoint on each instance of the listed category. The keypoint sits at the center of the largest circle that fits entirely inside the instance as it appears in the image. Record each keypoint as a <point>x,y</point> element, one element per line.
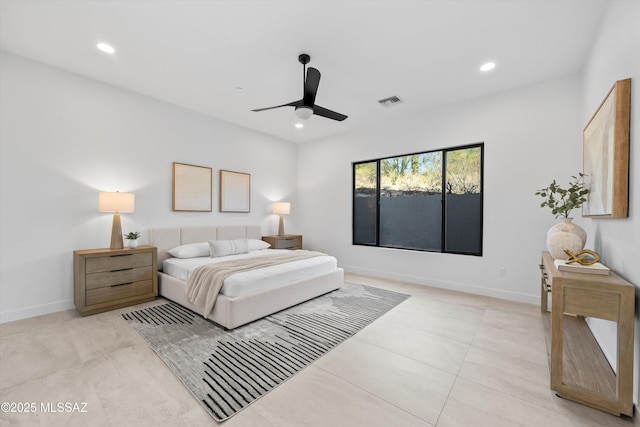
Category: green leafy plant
<point>561,201</point>
<point>132,235</point>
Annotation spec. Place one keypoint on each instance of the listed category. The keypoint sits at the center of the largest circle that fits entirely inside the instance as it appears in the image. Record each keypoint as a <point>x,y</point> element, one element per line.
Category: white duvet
<point>255,280</point>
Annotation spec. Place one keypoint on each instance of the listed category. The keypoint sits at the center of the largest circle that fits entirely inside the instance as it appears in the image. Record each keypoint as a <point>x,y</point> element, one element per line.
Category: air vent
<point>390,101</point>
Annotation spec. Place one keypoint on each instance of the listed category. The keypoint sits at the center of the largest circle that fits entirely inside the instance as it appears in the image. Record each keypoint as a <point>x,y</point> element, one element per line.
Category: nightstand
<point>105,279</point>
<point>287,241</point>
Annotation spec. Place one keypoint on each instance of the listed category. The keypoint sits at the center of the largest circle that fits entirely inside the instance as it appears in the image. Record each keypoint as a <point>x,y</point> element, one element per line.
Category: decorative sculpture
<point>583,257</point>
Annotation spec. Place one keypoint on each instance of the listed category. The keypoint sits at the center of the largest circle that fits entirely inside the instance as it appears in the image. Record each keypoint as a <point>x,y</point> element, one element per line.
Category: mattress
<point>248,282</point>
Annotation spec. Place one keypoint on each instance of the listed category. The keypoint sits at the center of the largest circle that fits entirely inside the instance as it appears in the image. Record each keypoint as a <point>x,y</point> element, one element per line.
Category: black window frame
<point>443,201</point>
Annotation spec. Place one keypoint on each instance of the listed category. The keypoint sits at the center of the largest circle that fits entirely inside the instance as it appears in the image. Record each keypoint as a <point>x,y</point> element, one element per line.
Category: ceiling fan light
<point>304,112</point>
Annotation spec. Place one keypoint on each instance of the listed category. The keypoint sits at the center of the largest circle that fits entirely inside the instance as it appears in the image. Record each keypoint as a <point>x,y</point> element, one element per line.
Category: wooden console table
<point>579,370</point>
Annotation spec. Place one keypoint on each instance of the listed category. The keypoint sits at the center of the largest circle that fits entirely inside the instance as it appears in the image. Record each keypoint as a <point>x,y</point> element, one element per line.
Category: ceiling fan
<point>306,106</point>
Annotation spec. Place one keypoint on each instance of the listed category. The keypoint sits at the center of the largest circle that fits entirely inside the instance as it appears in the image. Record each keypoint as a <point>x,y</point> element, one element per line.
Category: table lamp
<point>281,208</point>
<point>116,202</point>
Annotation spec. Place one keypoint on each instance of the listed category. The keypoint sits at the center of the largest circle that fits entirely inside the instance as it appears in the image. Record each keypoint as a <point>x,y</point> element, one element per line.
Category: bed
<point>245,296</point>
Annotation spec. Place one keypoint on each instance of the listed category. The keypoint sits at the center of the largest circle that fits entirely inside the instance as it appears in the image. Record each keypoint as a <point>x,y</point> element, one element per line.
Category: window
<point>429,201</point>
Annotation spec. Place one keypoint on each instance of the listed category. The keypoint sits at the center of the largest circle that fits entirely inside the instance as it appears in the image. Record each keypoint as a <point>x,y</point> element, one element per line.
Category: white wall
<point>615,56</point>
<point>64,138</point>
<point>530,137</point>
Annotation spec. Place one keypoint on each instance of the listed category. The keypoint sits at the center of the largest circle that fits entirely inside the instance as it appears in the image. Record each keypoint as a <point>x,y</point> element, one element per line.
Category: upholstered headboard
<point>168,238</point>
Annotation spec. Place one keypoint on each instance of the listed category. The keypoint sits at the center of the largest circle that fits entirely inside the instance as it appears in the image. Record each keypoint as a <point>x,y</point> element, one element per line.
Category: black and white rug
<point>228,370</point>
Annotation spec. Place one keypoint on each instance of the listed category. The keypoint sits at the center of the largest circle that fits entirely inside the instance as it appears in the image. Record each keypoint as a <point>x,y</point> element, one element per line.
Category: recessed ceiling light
<point>488,66</point>
<point>105,48</point>
<point>299,125</point>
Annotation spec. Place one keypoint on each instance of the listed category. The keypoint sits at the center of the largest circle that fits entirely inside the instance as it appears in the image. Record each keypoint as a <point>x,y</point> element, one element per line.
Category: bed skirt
<point>237,311</point>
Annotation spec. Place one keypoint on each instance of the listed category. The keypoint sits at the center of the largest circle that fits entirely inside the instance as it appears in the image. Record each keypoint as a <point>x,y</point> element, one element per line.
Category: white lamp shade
<point>304,112</point>
<point>281,208</point>
<point>116,202</point>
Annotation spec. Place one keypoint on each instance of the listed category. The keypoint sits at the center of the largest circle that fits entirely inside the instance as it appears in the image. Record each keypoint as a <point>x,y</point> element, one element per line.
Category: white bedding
<point>255,280</point>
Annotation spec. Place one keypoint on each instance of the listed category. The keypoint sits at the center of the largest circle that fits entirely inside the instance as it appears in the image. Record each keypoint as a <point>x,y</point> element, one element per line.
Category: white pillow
<point>191,250</point>
<point>220,248</point>
<point>257,245</point>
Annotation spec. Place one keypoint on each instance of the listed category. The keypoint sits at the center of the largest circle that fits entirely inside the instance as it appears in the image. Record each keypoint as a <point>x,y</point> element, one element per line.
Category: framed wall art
<point>191,188</point>
<point>605,148</point>
<point>235,191</point>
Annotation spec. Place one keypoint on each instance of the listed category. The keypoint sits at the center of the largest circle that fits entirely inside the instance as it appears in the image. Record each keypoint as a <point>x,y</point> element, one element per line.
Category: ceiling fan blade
<point>321,111</point>
<point>298,103</point>
<point>311,87</point>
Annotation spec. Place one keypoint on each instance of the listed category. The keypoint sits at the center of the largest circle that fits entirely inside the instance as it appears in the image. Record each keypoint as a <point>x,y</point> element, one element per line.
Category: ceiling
<point>197,54</point>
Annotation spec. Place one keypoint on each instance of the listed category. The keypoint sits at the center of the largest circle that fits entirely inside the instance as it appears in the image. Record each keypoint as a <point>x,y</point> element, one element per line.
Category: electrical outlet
<point>502,271</point>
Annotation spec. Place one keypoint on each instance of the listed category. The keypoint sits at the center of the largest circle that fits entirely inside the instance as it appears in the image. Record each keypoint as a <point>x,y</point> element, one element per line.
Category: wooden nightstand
<point>105,279</point>
<point>287,241</point>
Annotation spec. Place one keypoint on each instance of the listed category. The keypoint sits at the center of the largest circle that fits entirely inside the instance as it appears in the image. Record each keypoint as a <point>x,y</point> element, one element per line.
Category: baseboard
<point>39,310</point>
<point>36,310</point>
<point>461,287</point>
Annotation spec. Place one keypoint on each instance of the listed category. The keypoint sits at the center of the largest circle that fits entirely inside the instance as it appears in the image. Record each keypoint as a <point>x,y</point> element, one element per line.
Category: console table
<point>579,370</point>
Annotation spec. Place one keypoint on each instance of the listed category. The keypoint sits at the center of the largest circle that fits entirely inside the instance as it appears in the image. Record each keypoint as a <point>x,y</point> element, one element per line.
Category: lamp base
<point>116,233</point>
<point>281,227</point>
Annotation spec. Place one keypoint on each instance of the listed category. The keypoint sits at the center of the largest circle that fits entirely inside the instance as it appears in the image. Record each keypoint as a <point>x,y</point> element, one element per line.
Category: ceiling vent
<point>390,101</point>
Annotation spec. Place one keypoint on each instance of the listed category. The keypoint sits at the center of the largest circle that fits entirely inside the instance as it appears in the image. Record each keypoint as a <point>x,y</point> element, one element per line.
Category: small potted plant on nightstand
<point>132,237</point>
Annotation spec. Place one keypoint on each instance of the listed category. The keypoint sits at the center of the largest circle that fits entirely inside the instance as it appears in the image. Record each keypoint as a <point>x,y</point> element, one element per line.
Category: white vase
<point>565,235</point>
<point>133,243</point>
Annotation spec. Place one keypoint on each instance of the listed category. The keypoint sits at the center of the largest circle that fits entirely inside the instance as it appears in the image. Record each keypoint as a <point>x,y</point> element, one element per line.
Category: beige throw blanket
<point>205,282</point>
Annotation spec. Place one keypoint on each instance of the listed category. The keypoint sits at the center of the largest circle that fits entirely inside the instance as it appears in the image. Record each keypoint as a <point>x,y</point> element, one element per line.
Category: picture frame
<point>235,191</point>
<point>605,161</point>
<point>192,188</point>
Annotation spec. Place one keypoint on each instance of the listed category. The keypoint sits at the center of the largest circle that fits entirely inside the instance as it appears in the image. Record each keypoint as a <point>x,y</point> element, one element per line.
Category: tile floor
<point>441,358</point>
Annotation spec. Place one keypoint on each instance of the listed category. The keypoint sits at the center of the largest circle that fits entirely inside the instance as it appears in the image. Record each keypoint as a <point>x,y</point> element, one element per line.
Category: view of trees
<point>366,177</point>
<point>422,173</point>
<point>463,171</point>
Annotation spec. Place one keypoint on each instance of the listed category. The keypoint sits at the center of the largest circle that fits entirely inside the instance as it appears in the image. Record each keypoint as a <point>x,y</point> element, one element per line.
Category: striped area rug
<point>228,370</point>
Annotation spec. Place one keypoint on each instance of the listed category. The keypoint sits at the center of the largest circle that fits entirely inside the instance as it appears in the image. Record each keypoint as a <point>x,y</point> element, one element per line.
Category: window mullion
<point>378,181</point>
<point>443,199</point>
